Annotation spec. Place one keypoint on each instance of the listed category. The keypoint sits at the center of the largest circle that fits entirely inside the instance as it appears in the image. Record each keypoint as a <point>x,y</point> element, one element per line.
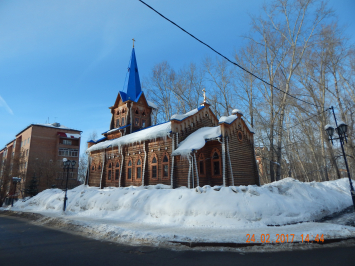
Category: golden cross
<point>204,95</point>
<point>133,41</point>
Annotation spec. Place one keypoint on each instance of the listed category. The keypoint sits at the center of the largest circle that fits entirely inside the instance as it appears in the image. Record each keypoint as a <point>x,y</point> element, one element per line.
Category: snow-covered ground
<point>157,214</point>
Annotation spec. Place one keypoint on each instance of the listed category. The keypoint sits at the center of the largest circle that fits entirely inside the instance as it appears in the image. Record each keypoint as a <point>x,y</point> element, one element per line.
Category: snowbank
<point>282,202</point>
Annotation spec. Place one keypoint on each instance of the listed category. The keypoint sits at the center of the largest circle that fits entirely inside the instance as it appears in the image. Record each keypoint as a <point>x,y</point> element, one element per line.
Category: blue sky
<point>66,60</point>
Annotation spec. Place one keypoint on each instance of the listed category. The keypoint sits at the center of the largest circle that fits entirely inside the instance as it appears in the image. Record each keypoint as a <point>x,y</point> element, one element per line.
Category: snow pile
<point>154,132</point>
<point>197,140</point>
<point>283,202</point>
<point>227,119</point>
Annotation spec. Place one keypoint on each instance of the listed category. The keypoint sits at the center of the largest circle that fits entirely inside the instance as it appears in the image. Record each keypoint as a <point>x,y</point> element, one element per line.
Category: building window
<point>240,135</point>
<point>109,172</point>
<point>165,165</point>
<point>201,165</point>
<point>73,152</point>
<point>99,167</point>
<point>136,122</point>
<point>93,168</point>
<point>129,169</point>
<point>118,122</point>
<point>62,152</point>
<point>67,141</point>
<point>154,167</point>
<point>216,163</point>
<point>117,171</point>
<point>139,169</point>
<point>122,124</point>
<point>143,123</point>
<point>137,111</point>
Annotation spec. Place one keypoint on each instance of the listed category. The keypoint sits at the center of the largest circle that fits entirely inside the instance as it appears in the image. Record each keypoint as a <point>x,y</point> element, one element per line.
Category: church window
<point>154,167</point>
<point>110,165</point>
<point>137,111</point>
<point>216,163</point>
<point>93,168</point>
<point>165,165</point>
<point>143,123</point>
<point>139,169</point>
<point>136,122</point>
<point>143,113</point>
<point>201,165</point>
<point>129,169</point>
<point>99,166</point>
<point>109,175</point>
<point>122,123</point>
<point>118,122</point>
<point>117,171</point>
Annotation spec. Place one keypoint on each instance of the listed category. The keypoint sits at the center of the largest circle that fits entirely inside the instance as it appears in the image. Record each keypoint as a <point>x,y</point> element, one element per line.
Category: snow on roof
<point>154,132</point>
<point>53,125</point>
<point>237,111</point>
<point>153,105</point>
<point>181,117</point>
<point>227,119</point>
<point>197,140</point>
<point>115,129</point>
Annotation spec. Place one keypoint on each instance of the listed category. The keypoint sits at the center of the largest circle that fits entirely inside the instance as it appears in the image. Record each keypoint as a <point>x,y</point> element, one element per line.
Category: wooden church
<point>192,149</point>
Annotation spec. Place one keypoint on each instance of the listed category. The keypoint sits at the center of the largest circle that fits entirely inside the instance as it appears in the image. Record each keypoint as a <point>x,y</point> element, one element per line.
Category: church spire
<point>133,88</point>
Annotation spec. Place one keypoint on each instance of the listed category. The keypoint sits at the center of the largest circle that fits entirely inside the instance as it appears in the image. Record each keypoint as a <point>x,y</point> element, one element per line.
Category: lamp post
<point>341,129</point>
<point>67,164</point>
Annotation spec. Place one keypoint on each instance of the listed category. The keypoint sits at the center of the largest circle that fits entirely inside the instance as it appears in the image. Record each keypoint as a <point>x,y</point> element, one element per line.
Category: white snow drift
<point>282,202</point>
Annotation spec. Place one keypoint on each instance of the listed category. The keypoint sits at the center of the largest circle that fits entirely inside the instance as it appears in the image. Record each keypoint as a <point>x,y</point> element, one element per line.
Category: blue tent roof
<point>133,90</point>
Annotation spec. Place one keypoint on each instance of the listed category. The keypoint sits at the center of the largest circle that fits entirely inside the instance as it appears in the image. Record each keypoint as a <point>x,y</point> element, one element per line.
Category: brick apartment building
<point>38,151</point>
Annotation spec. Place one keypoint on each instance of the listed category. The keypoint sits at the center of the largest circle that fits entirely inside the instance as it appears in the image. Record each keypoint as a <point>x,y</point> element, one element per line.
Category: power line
<point>234,63</point>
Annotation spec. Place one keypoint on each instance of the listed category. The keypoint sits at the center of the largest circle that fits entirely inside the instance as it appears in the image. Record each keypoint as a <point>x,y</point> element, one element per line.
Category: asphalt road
<point>22,243</point>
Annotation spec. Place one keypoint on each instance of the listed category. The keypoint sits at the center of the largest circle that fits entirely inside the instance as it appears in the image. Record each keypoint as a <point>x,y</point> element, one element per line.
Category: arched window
<point>109,172</point>
<point>137,112</point>
<point>93,167</point>
<point>117,170</point>
<point>143,113</point>
<point>99,166</point>
<point>216,163</point>
<point>165,166</point>
<point>139,169</point>
<point>201,165</point>
<point>154,167</point>
<point>136,121</point>
<point>129,169</point>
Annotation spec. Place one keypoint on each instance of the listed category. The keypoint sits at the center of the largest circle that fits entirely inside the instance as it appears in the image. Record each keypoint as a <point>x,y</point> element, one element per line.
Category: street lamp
<point>341,129</point>
<point>67,164</point>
